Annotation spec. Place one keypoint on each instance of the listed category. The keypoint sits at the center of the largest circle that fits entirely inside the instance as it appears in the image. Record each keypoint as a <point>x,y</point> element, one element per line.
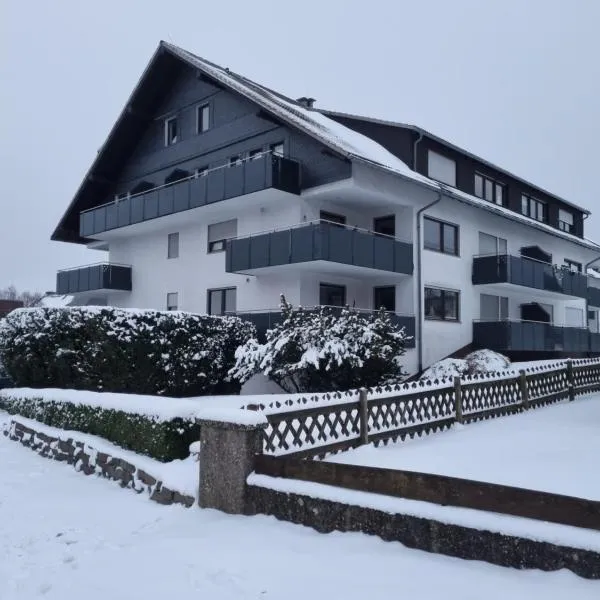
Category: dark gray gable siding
<point>237,126</point>
<point>400,142</point>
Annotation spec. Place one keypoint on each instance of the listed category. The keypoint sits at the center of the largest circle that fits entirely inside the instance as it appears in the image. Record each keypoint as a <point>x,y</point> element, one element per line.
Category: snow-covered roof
<point>348,142</point>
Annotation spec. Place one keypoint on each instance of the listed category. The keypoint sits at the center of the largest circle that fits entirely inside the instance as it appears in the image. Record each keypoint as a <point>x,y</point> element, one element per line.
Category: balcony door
<point>535,311</point>
<point>490,244</point>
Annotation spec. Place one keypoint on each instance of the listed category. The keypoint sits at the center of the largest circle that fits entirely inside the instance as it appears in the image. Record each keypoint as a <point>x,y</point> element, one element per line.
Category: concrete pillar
<point>227,457</point>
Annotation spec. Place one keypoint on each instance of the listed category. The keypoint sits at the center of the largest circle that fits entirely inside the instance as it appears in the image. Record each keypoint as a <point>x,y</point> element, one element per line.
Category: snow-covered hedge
<point>324,350</point>
<point>120,350</point>
<point>162,439</point>
<point>479,362</point>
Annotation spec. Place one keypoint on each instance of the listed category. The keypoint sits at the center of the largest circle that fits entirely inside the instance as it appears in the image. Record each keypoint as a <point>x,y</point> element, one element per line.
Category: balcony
<point>92,278</point>
<point>530,336</point>
<point>267,171</point>
<point>321,246</point>
<point>593,296</point>
<point>528,272</point>
<point>267,319</point>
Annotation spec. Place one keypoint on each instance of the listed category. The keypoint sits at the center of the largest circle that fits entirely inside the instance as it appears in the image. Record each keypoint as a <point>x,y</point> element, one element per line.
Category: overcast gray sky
<point>514,81</point>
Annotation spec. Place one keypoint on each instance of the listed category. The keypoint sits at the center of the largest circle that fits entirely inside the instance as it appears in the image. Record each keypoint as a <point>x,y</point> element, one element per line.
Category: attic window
<point>171,131</point>
<point>203,118</point>
<point>176,175</point>
<point>565,220</point>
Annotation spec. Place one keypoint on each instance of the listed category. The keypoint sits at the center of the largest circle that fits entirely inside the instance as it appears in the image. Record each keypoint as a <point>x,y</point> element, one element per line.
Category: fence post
<point>524,389</point>
<point>570,380</point>
<point>363,412</point>
<point>458,400</point>
<point>227,454</point>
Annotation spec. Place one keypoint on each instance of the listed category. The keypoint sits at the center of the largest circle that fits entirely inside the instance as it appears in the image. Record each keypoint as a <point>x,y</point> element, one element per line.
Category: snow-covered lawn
<point>554,449</point>
<point>66,536</point>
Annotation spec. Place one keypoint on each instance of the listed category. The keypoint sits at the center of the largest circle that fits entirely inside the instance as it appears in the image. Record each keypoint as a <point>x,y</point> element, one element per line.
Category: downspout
<point>420,311</point>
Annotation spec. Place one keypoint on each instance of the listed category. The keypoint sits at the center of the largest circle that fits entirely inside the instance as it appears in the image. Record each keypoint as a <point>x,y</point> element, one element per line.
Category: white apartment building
<point>215,194</point>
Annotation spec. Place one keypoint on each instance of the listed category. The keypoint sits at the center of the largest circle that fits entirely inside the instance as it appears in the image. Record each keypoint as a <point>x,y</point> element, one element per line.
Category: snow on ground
<point>555,449</point>
<point>64,535</point>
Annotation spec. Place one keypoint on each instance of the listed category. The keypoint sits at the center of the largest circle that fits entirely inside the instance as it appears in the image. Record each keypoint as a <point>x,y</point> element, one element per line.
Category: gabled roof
<point>448,144</point>
<point>332,134</point>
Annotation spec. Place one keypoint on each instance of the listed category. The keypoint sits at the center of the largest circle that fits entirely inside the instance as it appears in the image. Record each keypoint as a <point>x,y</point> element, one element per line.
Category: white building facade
<point>229,196</point>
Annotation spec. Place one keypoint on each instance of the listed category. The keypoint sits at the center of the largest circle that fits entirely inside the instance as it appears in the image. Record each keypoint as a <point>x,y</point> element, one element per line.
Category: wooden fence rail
<point>380,416</point>
<point>439,489</point>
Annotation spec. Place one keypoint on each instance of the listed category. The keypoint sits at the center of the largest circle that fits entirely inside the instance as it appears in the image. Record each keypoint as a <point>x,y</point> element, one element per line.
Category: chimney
<point>306,102</point>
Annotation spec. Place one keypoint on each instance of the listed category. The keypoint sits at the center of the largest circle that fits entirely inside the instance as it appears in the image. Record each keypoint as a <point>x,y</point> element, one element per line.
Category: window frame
<point>443,224</point>
<point>377,289</point>
<point>443,291</point>
<point>218,245</point>
<point>565,225</point>
<point>209,293</point>
<point>334,285</point>
<point>331,218</point>
<point>377,220</point>
<point>446,158</point>
<point>168,121</point>
<point>497,238</point>
<point>200,120</point>
<point>573,263</point>
<point>499,301</point>
<point>173,236</point>
<point>532,201</point>
<point>170,305</point>
<point>274,151</point>
<point>485,179</point>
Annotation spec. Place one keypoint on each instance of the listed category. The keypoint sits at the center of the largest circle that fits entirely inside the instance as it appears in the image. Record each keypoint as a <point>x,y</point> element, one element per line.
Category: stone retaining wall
<point>424,534</point>
<point>89,461</point>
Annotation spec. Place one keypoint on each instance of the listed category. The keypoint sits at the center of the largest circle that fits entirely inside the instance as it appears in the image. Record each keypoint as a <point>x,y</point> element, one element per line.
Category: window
<point>441,237</point>
<point>218,233</point>
<point>441,168</point>
<point>536,209</point>
<point>203,118</point>
<point>332,295</point>
<point>172,300</point>
<point>277,149</point>
<point>489,189</point>
<point>565,220</point>
<point>574,266</point>
<point>235,161</point>
<point>332,217</point>
<point>171,131</point>
<point>385,225</point>
<point>490,244</point>
<point>173,245</point>
<point>221,301</point>
<point>254,154</point>
<point>573,317</point>
<point>384,297</point>
<point>493,308</point>
<point>441,305</point>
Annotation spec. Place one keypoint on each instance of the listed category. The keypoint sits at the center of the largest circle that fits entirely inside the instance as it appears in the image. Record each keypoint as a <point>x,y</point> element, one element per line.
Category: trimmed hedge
<point>119,350</point>
<point>144,434</point>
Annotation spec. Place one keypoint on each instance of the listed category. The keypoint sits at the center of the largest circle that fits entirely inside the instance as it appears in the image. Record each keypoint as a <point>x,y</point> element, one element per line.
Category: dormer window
<point>171,131</point>
<point>565,220</point>
<point>489,189</point>
<point>530,207</point>
<point>203,118</point>
<point>441,168</point>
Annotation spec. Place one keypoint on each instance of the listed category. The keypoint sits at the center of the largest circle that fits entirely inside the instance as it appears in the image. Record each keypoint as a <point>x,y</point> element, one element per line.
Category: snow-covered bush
<point>323,350</point>
<point>146,434</point>
<point>479,362</point>
<point>119,350</point>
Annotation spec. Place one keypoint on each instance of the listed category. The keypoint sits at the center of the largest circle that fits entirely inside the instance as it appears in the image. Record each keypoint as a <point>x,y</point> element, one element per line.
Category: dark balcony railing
<point>519,270</point>
<point>593,296</point>
<point>319,240</point>
<point>251,175</point>
<point>529,336</point>
<point>102,276</point>
<point>267,319</point>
